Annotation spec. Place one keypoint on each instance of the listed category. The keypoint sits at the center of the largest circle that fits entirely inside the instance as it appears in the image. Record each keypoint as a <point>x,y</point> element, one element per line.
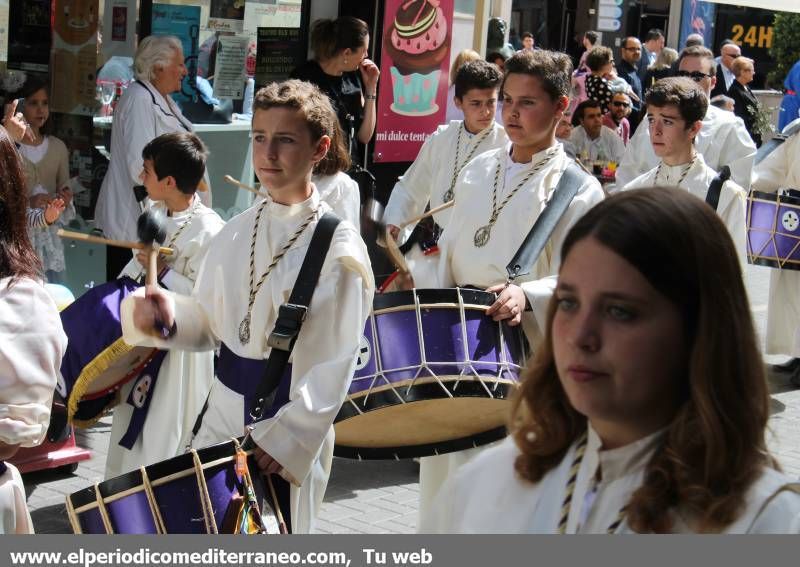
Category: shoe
<point>792,365</point>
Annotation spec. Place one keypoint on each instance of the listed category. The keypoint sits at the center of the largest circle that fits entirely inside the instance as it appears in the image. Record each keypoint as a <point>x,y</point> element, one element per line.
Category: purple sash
<point>139,398</point>
<point>243,376</point>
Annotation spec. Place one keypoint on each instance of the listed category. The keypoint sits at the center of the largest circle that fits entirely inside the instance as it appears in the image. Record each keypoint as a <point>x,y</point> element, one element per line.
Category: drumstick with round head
<point>281,522</point>
<point>152,232</point>
<point>241,185</point>
<point>109,242</point>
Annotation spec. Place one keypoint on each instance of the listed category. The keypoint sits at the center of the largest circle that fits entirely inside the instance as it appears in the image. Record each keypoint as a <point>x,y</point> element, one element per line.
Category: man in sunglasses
<point>728,53</point>
<point>722,140</point>
<point>617,116</point>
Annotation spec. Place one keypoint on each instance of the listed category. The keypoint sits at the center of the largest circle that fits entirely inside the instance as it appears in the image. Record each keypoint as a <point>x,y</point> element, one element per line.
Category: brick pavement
<point>382,496</point>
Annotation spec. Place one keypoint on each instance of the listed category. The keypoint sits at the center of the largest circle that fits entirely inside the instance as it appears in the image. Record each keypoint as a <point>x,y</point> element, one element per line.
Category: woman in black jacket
<point>746,104</point>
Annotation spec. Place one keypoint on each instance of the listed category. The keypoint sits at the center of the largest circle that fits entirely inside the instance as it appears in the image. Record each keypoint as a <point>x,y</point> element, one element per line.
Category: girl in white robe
<point>631,418</point>
<point>529,169</point>
<point>292,125</point>
<point>32,342</point>
<point>781,170</point>
<point>184,378</point>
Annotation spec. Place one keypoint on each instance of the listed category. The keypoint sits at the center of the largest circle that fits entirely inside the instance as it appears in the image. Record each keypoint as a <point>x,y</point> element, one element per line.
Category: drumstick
<point>241,185</point>
<point>277,506</point>
<point>110,242</point>
<point>433,211</point>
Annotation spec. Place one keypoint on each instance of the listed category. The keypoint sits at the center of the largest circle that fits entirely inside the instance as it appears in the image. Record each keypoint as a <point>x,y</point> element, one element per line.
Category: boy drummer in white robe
<point>535,95</point>
<point>174,165</point>
<point>675,109</point>
<point>431,179</point>
<point>292,123</point>
<point>723,139</point>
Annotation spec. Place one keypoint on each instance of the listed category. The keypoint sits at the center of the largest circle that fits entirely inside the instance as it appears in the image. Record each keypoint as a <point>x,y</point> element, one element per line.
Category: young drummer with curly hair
<point>632,416</point>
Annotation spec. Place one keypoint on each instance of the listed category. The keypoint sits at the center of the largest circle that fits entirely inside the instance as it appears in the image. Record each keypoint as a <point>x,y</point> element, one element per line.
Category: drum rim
<point>773,197</point>
<point>393,299</point>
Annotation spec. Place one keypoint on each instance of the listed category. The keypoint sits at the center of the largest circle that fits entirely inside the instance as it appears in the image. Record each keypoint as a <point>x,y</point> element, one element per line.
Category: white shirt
<point>732,198</point>
<point>141,115</point>
<point>487,495</point>
<point>431,174</point>
<point>300,435</point>
<point>722,140</point>
<point>184,378</point>
<point>608,146</point>
<point>462,263</point>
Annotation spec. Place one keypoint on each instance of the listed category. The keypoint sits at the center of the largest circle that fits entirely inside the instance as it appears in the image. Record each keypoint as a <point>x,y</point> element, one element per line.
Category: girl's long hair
<point>714,447</point>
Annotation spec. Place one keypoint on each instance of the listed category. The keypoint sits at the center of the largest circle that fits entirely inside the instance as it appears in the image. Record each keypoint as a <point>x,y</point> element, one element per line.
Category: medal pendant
<point>482,235</point>
<point>448,196</point>
<point>244,330</point>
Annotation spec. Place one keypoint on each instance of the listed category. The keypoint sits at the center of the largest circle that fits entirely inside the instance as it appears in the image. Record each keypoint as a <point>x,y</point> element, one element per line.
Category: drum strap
<point>571,180</point>
<point>712,197</point>
<point>772,145</point>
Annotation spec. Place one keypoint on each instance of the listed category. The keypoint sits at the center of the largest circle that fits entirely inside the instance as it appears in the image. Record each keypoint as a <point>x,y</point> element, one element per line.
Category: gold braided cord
<point>205,497</point>
<point>448,195</point>
<point>151,501</point>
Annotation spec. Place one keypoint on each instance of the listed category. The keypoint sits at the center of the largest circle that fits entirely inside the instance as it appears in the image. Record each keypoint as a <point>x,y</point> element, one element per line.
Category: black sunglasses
<point>696,76</point>
<point>620,103</point>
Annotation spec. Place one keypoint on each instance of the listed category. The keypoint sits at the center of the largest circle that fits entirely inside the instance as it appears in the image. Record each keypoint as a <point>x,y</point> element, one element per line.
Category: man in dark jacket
<point>628,69</point>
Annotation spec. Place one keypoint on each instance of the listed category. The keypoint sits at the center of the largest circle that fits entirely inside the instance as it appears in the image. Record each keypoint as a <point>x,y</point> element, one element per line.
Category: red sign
<point>415,60</point>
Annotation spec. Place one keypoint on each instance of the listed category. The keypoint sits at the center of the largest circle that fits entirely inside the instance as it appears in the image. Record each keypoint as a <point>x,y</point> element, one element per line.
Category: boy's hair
<point>702,53</point>
<point>553,69</point>
<point>599,57</point>
<point>180,155</point>
<point>526,35</point>
<point>478,74</point>
<point>684,93</point>
<point>592,36</point>
<point>577,116</point>
<point>303,96</point>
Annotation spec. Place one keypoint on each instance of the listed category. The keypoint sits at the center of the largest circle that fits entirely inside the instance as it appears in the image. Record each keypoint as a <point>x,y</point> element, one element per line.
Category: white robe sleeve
<point>191,254</point>
<point>32,343</point>
<point>638,156</point>
<point>734,216</point>
<point>413,190</point>
<point>322,369</point>
<point>772,173</point>
<point>737,151</point>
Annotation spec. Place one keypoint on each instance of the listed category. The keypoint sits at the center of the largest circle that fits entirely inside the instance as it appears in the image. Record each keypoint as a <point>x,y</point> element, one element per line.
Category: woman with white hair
<point>144,112</point>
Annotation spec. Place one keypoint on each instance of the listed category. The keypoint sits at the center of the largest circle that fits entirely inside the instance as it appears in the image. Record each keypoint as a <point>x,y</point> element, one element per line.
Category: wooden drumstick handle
<point>433,211</point>
<point>152,267</point>
<point>241,185</point>
<point>110,242</point>
<point>281,522</point>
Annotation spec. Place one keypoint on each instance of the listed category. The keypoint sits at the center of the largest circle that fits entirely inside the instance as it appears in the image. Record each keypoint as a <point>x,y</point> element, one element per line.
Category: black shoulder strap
<point>292,314</point>
<point>772,145</point>
<point>571,180</point>
<point>712,197</point>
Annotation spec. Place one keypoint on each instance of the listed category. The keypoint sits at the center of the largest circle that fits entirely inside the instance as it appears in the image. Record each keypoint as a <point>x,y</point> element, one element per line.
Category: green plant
<point>785,46</point>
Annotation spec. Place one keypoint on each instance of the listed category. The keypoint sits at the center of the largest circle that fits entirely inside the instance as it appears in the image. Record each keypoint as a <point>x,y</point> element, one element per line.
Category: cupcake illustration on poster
<point>417,42</point>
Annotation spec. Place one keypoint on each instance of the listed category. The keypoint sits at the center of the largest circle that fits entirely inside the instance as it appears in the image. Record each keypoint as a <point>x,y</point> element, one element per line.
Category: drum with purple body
<point>198,492</point>
<point>773,230</point>
<point>98,362</point>
<point>433,376</point>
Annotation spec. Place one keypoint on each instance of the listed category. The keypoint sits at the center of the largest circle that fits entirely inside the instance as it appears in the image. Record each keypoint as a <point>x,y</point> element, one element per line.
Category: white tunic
<point>723,140</point>
<point>431,174</point>
<point>463,264</point>
<point>32,343</point>
<point>732,198</point>
<point>141,115</point>
<point>184,378</point>
<point>341,192</point>
<point>487,495</point>
<point>300,436</point>
<point>608,146</point>
<point>781,170</point>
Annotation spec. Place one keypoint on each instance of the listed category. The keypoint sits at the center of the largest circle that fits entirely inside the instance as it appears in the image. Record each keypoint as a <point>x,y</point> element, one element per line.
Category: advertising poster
<point>271,14</point>
<point>75,56</point>
<point>279,50</point>
<point>3,30</point>
<point>119,28</point>
<point>226,15</point>
<point>698,17</point>
<point>184,23</point>
<point>230,74</point>
<point>29,37</point>
<point>412,92</point>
